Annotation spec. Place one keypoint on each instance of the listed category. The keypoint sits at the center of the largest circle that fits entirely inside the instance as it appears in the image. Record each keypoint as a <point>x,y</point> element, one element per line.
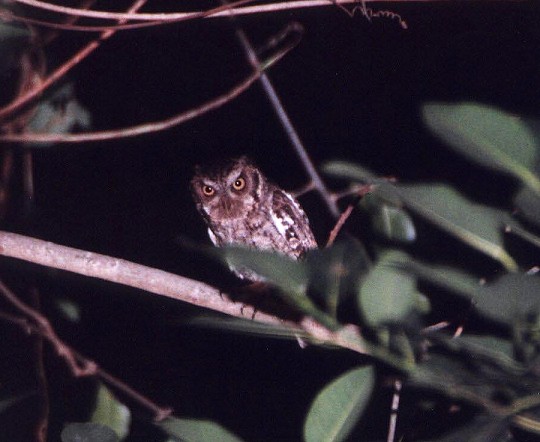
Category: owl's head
<point>228,191</point>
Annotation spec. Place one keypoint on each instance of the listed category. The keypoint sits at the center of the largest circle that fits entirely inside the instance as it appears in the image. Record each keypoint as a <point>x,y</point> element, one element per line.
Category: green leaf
<point>482,428</point>
<point>337,407</point>
<point>59,114</point>
<point>286,274</point>
<point>495,349</point>
<point>509,298</point>
<point>88,432</point>
<point>388,293</point>
<point>477,225</point>
<point>516,229</point>
<point>351,171</point>
<point>454,377</point>
<point>446,277</point>
<point>334,272</point>
<point>69,310</point>
<point>388,220</point>
<point>13,40</point>
<point>488,136</point>
<point>195,430</point>
<point>111,413</point>
<point>528,204</point>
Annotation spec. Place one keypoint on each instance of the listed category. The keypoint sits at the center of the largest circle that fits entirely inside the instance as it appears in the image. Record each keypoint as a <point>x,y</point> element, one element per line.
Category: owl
<point>242,208</point>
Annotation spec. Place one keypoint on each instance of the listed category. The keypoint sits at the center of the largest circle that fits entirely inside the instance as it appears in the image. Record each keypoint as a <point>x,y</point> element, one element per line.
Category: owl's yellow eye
<point>208,190</point>
<point>239,183</point>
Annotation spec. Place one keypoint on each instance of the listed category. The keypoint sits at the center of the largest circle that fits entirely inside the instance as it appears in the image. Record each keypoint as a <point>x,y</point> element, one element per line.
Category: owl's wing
<point>292,223</point>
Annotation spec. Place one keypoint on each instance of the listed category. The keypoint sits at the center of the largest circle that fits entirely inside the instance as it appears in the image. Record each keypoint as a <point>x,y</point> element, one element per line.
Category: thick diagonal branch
<point>162,283</point>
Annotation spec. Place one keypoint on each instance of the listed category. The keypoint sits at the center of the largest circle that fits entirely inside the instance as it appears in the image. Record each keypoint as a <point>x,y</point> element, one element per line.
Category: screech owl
<point>241,207</point>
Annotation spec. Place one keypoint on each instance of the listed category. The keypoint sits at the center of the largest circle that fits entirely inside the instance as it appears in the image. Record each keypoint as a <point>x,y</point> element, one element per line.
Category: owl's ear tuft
<point>245,160</point>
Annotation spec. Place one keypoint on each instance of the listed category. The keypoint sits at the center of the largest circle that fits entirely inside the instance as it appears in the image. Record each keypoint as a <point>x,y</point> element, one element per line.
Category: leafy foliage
<point>338,406</point>
<point>194,430</point>
<point>391,294</point>
<point>484,370</point>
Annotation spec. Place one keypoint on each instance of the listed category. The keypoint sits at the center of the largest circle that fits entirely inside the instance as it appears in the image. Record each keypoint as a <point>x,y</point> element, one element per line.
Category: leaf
<point>388,293</point>
<point>351,171</point>
<point>482,428</point>
<point>281,271</point>
<point>245,326</point>
<point>69,310</point>
<point>454,377</point>
<point>509,298</point>
<point>59,114</point>
<point>528,204</point>
<point>111,413</point>
<point>339,405</point>
<point>88,432</point>
<point>195,430</point>
<point>446,277</point>
<point>494,347</point>
<point>286,274</point>
<point>477,225</point>
<point>488,136</point>
<point>515,228</point>
<point>13,40</point>
<point>388,220</point>
<point>334,272</point>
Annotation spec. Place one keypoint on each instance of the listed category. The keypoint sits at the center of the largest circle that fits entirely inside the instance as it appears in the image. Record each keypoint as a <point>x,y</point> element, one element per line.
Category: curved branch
<point>151,127</point>
<point>174,16</point>
<point>137,130</point>
<point>163,283</point>
<point>24,100</point>
<point>184,16</point>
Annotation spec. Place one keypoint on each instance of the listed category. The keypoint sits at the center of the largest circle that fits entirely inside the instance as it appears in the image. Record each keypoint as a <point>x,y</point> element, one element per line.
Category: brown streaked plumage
<point>241,207</point>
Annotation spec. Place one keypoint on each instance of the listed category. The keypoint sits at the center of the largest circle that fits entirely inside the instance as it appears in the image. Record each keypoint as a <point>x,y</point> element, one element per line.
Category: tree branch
<point>155,126</point>
<point>18,103</point>
<point>175,16</point>
<point>163,283</point>
<point>79,365</point>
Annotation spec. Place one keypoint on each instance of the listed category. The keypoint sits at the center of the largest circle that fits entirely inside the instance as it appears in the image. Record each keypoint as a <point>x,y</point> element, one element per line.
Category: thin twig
<point>11,109</point>
<point>394,411</point>
<point>42,325</point>
<point>159,413</point>
<point>42,423</point>
<point>151,127</point>
<point>140,129</point>
<point>285,121</point>
<point>339,225</point>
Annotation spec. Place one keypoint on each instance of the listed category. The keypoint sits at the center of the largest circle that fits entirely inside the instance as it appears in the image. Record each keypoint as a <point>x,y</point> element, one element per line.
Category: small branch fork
<point>20,102</point>
<point>149,127</point>
<point>284,118</point>
<point>34,322</point>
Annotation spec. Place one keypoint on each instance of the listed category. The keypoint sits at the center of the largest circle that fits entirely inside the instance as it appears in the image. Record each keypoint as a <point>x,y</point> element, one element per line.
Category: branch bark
<point>163,283</point>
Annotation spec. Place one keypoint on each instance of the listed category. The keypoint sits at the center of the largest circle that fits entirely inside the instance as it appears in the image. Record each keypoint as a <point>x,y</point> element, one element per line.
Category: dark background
<point>353,88</point>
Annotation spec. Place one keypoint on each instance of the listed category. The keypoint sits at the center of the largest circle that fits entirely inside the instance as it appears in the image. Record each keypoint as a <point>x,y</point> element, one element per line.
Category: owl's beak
<point>226,206</point>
